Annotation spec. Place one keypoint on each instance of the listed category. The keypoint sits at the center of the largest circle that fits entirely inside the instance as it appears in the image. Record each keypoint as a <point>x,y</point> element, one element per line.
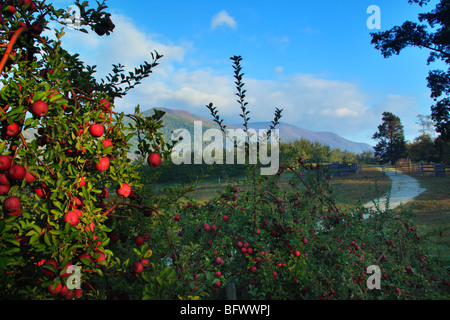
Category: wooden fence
<point>343,169</point>
<point>355,169</point>
<point>411,168</point>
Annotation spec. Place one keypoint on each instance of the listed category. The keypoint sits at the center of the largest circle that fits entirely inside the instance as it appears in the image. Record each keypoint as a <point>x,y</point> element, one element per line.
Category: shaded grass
<point>361,188</point>
<point>431,211</point>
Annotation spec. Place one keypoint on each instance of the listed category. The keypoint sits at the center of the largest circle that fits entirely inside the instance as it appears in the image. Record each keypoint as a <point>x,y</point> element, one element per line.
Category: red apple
<point>78,293</point>
<point>39,108</point>
<point>17,172</point>
<point>106,143</point>
<point>123,191</point>
<point>29,178</point>
<point>137,267</point>
<point>72,217</point>
<point>46,271</point>
<point>12,129</point>
<point>103,164</point>
<point>12,204</point>
<point>139,240</point>
<point>81,182</point>
<point>37,27</point>
<point>15,213</point>
<point>145,262</point>
<point>4,189</point>
<point>66,274</point>
<point>177,218</point>
<point>55,290</point>
<point>11,9</point>
<point>96,130</point>
<point>31,5</point>
<point>5,162</point>
<point>154,159</point>
<point>104,104</point>
<point>101,257</point>
<point>104,193</point>
<point>64,291</point>
<point>42,191</point>
<point>85,256</point>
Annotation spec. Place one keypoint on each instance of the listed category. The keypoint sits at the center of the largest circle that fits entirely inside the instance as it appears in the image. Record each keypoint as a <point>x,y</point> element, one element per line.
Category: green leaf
<point>148,254</point>
<point>10,251</point>
<point>67,228</point>
<point>2,226</point>
<point>47,239</point>
<point>34,238</point>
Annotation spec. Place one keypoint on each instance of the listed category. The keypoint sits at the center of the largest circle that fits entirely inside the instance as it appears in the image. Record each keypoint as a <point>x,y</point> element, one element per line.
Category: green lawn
<point>432,211</point>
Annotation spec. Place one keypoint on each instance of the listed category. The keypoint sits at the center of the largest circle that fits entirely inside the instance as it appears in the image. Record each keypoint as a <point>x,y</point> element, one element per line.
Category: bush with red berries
<point>262,240</point>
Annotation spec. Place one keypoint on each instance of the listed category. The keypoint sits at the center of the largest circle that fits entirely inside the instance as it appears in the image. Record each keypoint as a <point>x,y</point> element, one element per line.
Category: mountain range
<point>180,119</point>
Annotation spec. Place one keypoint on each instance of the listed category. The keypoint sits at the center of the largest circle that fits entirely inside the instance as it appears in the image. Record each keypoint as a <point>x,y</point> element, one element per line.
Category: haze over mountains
<point>180,119</point>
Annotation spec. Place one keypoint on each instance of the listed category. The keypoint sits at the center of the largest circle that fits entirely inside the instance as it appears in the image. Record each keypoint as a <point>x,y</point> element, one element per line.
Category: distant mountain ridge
<point>289,133</point>
<point>180,119</point>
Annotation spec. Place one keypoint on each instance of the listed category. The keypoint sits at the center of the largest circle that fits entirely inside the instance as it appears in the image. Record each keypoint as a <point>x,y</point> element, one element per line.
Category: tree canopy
<point>391,144</point>
<point>432,33</point>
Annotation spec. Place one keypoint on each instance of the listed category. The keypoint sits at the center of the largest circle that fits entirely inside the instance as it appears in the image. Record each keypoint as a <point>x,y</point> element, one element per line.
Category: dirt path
<point>404,189</point>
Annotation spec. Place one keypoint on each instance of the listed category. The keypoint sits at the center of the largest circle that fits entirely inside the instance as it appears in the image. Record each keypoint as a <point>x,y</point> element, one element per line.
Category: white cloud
<point>128,45</point>
<point>309,30</point>
<point>284,40</point>
<point>309,101</point>
<point>223,19</point>
<point>278,70</point>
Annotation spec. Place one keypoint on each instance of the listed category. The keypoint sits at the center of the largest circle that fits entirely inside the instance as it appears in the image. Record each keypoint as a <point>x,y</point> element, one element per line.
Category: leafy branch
<point>114,82</point>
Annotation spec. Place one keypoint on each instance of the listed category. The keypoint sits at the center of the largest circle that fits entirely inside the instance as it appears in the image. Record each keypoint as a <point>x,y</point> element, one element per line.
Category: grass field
<point>432,211</point>
<point>350,190</point>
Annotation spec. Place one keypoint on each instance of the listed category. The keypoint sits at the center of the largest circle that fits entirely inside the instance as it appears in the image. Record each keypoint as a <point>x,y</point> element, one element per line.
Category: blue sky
<point>311,58</point>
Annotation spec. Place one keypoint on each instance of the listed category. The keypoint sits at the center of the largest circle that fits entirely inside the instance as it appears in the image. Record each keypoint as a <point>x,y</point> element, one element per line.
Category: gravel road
<point>404,189</point>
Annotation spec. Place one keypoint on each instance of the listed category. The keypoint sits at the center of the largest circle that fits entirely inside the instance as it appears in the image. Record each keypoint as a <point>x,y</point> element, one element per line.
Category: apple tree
<point>67,178</point>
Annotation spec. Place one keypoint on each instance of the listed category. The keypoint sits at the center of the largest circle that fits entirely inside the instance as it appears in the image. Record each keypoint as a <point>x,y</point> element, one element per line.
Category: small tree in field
<point>391,145</point>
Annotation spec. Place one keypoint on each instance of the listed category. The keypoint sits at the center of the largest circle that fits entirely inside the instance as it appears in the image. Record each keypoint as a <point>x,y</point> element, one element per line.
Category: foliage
<point>267,242</point>
<point>391,144</point>
<point>412,34</point>
<point>64,217</point>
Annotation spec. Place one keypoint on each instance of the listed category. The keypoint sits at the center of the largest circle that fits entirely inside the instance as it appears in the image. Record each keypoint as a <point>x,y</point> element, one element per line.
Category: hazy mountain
<point>180,119</point>
<point>290,133</point>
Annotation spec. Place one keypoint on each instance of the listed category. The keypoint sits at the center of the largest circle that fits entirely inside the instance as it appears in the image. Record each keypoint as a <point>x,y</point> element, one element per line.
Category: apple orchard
<point>71,196</point>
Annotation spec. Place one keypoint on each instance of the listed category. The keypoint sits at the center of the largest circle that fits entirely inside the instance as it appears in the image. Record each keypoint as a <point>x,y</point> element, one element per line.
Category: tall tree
<point>426,125</point>
<point>437,40</point>
<point>391,145</point>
